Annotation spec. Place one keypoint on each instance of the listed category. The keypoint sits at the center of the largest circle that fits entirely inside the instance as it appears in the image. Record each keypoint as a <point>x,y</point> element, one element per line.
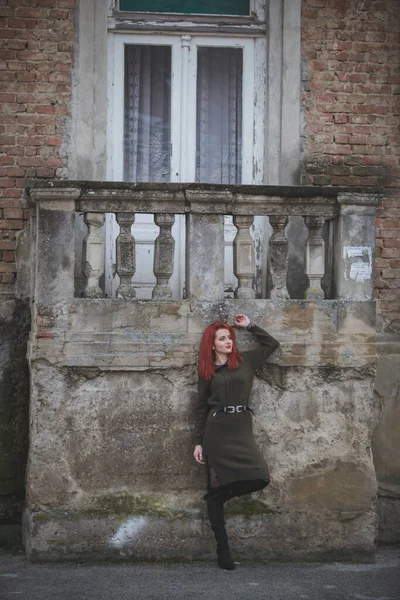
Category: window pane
<point>205,7</point>
<point>219,115</point>
<point>147,117</point>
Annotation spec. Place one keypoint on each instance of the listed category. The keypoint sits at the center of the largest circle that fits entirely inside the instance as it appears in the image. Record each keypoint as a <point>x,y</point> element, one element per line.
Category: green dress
<point>227,438</point>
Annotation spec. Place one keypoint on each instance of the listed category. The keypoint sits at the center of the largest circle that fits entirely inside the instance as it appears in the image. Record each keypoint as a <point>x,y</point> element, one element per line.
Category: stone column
<point>243,257</point>
<point>205,256</point>
<point>126,255</point>
<point>278,246</point>
<point>355,246</point>
<point>93,255</point>
<point>164,247</point>
<point>315,257</point>
<point>55,245</point>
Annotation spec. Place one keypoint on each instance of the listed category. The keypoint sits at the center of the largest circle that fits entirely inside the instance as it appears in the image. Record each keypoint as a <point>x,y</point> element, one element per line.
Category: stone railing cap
<point>85,187</point>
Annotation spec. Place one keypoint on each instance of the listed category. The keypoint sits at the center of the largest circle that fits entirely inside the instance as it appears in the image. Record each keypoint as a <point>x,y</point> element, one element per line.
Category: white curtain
<point>219,115</point>
<point>147,113</point>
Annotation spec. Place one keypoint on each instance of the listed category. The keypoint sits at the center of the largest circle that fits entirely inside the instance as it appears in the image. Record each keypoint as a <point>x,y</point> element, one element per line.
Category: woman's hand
<point>198,455</point>
<point>241,321</point>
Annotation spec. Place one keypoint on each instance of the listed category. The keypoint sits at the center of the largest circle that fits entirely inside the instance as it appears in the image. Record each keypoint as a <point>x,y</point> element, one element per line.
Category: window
<point>184,108</point>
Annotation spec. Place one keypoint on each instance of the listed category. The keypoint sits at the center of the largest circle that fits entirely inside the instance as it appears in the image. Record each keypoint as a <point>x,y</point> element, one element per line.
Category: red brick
<point>341,139</point>
<point>54,141</point>
<point>380,283</point>
<point>393,284</point>
<point>8,267</point>
<point>14,193</point>
<point>391,243</point>
<point>11,224</point>
<point>338,149</point>
<point>31,13</point>
<point>8,244</point>
<point>7,182</point>
<point>48,109</point>
<point>8,278</point>
<point>8,202</point>
<point>7,34</point>
<point>340,118</point>
<point>389,223</point>
<point>45,172</point>
<point>390,253</point>
<point>13,213</point>
<point>8,256</point>
<point>6,160</point>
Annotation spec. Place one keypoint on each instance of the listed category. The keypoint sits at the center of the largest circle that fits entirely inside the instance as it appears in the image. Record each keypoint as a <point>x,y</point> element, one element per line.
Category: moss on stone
<point>118,506</point>
<point>248,507</point>
<point>125,503</point>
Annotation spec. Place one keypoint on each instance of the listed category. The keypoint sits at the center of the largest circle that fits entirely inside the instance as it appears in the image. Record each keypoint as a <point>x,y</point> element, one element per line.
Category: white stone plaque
<point>358,260</point>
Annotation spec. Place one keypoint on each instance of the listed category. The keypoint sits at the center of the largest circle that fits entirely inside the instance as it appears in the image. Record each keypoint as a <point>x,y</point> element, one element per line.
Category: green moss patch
<point>246,506</point>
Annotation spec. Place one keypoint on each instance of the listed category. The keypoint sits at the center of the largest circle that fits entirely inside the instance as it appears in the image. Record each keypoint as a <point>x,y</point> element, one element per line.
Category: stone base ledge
<point>283,536</point>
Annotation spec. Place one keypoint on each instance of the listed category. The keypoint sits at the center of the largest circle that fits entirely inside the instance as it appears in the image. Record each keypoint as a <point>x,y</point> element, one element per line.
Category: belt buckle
<point>240,408</point>
<point>230,409</point>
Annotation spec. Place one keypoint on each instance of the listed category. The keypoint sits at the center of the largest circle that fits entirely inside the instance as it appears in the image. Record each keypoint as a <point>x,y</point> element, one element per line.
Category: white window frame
<point>183,101</point>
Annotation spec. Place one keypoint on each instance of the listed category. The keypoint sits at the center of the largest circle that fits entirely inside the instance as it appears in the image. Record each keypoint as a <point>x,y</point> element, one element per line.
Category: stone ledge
<point>287,191</point>
<point>180,198</point>
<point>296,535</point>
<point>139,335</point>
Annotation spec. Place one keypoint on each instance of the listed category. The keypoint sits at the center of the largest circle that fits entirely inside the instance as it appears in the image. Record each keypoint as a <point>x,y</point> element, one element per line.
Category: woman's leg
<point>215,510</point>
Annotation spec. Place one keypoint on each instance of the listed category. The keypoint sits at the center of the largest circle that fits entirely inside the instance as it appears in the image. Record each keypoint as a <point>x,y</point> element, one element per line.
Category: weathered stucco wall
<point>111,472</point>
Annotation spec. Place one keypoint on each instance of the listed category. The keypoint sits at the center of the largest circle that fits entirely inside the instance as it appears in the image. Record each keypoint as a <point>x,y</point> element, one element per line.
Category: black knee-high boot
<point>215,509</point>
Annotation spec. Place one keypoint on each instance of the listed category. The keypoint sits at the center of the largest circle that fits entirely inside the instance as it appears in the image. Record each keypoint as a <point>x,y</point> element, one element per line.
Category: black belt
<point>233,409</point>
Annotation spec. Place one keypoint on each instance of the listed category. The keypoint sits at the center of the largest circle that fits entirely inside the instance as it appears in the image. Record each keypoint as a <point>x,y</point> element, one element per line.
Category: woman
<point>223,423</point>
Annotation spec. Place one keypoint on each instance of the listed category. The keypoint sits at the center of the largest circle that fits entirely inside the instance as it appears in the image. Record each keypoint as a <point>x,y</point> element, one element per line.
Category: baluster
<point>279,256</point>
<point>243,256</point>
<point>164,247</point>
<point>315,262</point>
<point>126,257</point>
<point>93,255</point>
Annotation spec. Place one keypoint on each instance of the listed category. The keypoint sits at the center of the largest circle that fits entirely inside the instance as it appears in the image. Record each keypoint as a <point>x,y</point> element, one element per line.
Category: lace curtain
<point>219,115</point>
<point>147,113</point>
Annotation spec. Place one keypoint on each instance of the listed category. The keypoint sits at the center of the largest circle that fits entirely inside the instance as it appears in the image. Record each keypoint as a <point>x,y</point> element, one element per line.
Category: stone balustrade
<point>350,213</point>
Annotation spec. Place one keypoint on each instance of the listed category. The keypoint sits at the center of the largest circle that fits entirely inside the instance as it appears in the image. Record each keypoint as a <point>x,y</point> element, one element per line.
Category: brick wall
<point>36,52</point>
<point>351,85</point>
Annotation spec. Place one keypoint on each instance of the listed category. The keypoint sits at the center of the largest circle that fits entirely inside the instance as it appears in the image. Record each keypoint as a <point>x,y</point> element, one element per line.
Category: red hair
<point>206,355</point>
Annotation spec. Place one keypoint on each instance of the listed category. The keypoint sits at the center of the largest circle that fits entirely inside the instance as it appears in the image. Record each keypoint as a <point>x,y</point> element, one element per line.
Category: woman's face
<point>223,342</point>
